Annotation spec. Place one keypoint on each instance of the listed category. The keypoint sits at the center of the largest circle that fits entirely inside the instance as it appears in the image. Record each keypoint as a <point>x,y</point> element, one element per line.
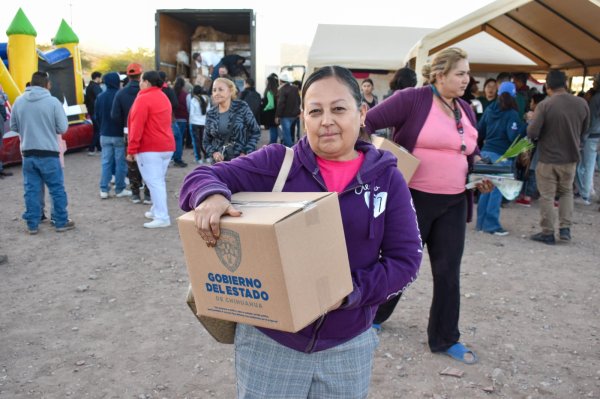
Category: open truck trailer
<point>220,32</point>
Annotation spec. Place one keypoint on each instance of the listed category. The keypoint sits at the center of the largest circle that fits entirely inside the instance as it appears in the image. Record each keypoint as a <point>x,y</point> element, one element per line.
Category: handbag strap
<point>284,171</point>
<point>457,117</point>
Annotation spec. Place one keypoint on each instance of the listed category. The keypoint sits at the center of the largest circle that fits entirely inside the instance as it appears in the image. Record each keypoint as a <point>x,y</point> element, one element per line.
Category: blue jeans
<point>197,133</point>
<point>286,128</point>
<point>273,134</point>
<point>38,171</point>
<point>296,130</point>
<point>43,203</point>
<point>178,131</point>
<point>488,206</point>
<point>585,167</point>
<point>530,185</point>
<point>113,159</point>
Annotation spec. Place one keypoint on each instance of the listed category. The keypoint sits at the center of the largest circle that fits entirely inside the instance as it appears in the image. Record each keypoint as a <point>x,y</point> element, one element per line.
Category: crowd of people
<point>559,170</point>
<point>141,127</point>
<point>138,137</point>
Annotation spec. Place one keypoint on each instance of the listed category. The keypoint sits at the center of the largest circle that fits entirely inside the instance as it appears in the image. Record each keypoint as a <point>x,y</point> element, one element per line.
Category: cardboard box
<point>280,265</point>
<point>407,163</point>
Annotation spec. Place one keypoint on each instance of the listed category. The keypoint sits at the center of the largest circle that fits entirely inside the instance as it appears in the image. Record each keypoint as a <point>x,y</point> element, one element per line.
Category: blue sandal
<point>458,352</point>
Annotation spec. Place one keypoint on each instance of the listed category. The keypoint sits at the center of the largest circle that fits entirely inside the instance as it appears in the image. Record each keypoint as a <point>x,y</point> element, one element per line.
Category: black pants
<point>134,175</point>
<point>95,144</point>
<point>187,139</point>
<point>442,223</point>
<point>135,180</point>
<point>198,132</point>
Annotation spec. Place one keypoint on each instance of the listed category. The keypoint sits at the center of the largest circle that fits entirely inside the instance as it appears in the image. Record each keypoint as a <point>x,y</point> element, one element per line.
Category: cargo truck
<point>218,32</point>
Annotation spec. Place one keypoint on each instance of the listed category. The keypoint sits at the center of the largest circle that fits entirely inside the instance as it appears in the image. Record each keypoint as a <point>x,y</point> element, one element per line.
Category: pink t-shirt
<point>337,174</point>
<point>443,169</point>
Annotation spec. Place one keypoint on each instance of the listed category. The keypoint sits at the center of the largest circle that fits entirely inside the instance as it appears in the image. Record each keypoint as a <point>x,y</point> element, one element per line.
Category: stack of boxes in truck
<point>212,33</point>
<point>213,45</point>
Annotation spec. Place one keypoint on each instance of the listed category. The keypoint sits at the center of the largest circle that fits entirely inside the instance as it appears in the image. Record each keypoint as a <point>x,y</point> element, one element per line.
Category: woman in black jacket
<point>267,116</point>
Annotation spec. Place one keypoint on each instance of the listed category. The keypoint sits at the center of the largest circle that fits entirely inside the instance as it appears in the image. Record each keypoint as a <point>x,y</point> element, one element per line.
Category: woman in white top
<point>198,105</point>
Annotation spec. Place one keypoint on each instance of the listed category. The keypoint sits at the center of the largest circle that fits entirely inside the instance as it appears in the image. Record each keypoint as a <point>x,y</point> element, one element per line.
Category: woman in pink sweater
<point>438,128</point>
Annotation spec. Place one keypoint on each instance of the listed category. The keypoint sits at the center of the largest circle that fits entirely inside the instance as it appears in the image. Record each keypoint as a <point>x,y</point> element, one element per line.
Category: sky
<point>111,25</point>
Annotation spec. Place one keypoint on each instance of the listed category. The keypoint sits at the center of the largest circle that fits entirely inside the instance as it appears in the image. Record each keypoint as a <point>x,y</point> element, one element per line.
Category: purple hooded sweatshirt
<point>380,226</point>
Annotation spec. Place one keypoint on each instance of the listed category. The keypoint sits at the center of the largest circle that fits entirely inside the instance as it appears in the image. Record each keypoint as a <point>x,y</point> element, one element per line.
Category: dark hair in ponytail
<point>153,78</point>
<point>198,92</point>
<point>507,102</point>
<point>403,78</point>
<point>179,85</point>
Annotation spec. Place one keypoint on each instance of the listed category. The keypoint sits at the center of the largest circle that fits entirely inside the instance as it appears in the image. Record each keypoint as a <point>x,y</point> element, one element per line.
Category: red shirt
<point>149,123</point>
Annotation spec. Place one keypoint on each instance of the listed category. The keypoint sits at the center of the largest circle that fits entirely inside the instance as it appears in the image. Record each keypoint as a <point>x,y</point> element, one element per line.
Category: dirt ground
<point>99,311</point>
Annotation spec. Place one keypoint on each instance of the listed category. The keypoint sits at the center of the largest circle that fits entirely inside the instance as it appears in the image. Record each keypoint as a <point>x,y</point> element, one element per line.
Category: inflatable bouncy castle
<point>21,58</point>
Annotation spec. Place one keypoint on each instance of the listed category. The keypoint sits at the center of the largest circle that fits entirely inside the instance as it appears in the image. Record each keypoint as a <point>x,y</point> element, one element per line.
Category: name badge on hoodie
<point>379,200</point>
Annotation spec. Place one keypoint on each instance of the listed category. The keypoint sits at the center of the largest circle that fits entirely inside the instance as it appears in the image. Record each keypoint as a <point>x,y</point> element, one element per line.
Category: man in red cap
<point>120,110</point>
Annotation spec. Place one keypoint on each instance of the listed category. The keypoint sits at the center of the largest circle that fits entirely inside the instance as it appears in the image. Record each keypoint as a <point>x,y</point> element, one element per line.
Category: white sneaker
<point>149,215</point>
<point>157,223</point>
<point>103,195</point>
<point>583,201</point>
<point>123,193</point>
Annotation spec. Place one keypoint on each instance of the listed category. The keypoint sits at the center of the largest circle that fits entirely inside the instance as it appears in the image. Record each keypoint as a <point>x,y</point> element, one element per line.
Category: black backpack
<point>252,98</point>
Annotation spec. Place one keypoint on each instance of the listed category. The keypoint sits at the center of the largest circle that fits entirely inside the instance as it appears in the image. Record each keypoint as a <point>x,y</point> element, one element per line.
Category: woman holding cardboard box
<point>333,356</point>
<point>439,128</point>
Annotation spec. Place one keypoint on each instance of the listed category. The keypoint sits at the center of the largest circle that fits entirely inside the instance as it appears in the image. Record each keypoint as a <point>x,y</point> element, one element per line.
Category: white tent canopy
<point>362,47</point>
<point>483,48</point>
<point>522,35</point>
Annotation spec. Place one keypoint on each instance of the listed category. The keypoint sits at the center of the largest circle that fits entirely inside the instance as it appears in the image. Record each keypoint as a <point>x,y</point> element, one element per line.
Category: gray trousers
<point>266,369</point>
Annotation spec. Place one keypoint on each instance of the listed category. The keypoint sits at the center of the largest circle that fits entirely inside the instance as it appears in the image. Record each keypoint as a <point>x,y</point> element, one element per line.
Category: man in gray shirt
<point>38,117</point>
<point>558,124</point>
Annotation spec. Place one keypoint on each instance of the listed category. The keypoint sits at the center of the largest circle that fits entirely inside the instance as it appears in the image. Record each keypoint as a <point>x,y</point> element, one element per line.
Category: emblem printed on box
<point>229,249</point>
